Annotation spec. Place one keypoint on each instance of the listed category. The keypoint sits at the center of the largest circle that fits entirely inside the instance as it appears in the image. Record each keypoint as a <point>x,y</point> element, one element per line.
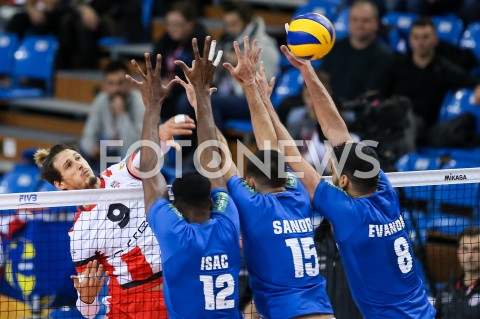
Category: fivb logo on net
<point>24,199</point>
<point>217,168</point>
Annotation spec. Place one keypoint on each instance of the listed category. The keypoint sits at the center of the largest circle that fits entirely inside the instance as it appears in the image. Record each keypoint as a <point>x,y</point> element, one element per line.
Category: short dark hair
<point>187,9</point>
<point>424,22</point>
<point>277,169</point>
<point>355,163</point>
<point>192,189</point>
<point>244,10</point>
<point>370,3</point>
<point>470,232</point>
<point>44,159</point>
<point>115,66</point>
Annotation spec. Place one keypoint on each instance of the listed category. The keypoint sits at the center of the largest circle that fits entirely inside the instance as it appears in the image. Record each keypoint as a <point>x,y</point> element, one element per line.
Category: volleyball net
<point>36,257</point>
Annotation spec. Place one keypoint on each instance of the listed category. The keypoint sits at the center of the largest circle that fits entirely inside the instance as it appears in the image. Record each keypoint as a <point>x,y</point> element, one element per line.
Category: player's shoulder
<point>235,183</point>
<point>331,188</point>
<point>122,174</point>
<point>292,181</point>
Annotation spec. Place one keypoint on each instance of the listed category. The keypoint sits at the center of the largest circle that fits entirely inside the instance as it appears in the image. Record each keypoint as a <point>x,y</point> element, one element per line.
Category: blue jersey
<point>201,262</point>
<point>376,251</point>
<point>280,254</point>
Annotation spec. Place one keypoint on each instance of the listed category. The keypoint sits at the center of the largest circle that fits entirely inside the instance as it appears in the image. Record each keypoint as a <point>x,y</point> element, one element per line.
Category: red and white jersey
<point>118,236</point>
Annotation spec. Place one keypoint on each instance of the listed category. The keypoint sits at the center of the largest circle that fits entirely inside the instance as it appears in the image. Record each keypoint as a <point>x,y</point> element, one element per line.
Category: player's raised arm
<point>227,161</point>
<point>244,73</point>
<point>153,95</point>
<point>332,124</point>
<point>226,157</point>
<point>200,76</point>
<point>308,175</point>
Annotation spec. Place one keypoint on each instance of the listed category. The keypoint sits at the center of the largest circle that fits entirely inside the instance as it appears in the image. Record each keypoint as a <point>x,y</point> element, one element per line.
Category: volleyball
<point>310,36</point>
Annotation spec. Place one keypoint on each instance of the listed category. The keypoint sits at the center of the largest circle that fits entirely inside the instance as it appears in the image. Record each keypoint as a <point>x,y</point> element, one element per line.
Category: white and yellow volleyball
<point>310,36</point>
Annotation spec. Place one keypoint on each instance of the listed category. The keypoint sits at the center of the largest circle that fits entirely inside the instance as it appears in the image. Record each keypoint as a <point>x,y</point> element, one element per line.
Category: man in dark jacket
<point>424,76</point>
<point>460,298</point>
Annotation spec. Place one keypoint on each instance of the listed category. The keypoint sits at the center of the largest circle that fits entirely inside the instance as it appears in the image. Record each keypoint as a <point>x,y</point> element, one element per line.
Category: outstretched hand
<point>200,75</point>
<point>265,88</point>
<point>150,85</point>
<point>246,68</point>
<point>297,62</point>
<point>190,90</point>
<point>90,283</point>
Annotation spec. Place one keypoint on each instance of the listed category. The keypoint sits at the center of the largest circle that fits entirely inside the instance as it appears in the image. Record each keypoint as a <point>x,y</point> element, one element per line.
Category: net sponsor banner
<point>105,196</point>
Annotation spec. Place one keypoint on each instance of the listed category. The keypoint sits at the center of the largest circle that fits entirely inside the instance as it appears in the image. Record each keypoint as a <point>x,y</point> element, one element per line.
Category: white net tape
<point>100,196</point>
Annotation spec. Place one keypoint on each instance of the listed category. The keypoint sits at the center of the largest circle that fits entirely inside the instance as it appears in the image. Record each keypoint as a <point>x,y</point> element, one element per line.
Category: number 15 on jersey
<point>304,256</point>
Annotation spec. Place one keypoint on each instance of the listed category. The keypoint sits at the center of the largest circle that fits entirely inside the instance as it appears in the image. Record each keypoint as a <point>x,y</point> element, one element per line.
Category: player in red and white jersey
<point>114,238</point>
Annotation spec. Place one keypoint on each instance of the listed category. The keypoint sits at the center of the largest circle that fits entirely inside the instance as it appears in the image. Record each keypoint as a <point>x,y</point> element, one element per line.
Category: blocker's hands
<point>246,68</point>
<point>294,60</point>
<point>200,75</point>
<point>150,86</point>
<point>265,88</point>
<point>190,90</point>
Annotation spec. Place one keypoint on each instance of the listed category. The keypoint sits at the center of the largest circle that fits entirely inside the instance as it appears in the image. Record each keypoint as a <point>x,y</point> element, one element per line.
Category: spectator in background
<point>356,63</point>
<point>116,114</point>
<point>381,5</point>
<point>40,17</point>
<point>460,298</point>
<point>425,77</point>
<point>176,44</point>
<point>91,20</point>
<point>239,21</point>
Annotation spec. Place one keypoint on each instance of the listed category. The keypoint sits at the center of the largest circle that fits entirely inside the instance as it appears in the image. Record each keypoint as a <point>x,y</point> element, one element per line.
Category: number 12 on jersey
<point>218,301</point>
<point>304,256</point>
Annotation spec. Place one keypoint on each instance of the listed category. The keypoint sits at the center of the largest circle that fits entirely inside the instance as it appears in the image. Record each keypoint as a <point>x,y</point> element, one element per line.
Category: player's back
<point>201,262</point>
<point>280,253</point>
<point>376,252</point>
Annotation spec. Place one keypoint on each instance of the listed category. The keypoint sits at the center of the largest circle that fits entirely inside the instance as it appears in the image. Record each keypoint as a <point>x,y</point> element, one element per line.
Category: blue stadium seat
<point>396,41</point>
<point>8,45</point>
<point>400,20</point>
<point>341,24</point>
<point>449,28</point>
<point>458,103</point>
<point>23,178</point>
<point>290,83</point>
<point>34,60</point>
<point>418,162</point>
<point>433,151</point>
<point>239,126</point>
<point>456,206</point>
<point>471,38</point>
<point>328,8</point>
<point>469,154</point>
<point>111,41</point>
<point>418,199</point>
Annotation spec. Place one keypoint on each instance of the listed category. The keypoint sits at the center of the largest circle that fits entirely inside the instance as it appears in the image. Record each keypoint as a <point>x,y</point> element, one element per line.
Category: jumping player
<point>365,213</point>
<point>275,217</point>
<point>113,238</point>
<point>199,231</point>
